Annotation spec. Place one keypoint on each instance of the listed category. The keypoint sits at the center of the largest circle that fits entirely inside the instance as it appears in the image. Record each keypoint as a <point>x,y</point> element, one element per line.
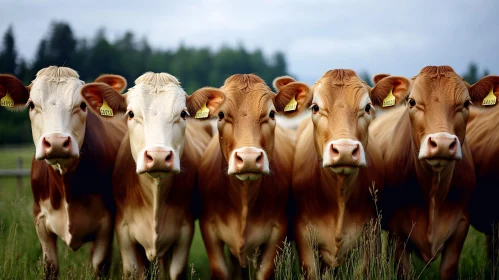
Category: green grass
<point>20,252</point>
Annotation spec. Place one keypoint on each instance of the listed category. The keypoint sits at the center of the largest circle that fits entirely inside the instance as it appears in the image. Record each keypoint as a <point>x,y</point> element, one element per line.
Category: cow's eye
<point>31,105</point>
<point>183,115</point>
<point>131,114</point>
<point>221,115</point>
<point>467,104</point>
<point>83,106</point>
<point>272,115</point>
<point>412,102</point>
<point>368,108</point>
<point>315,108</point>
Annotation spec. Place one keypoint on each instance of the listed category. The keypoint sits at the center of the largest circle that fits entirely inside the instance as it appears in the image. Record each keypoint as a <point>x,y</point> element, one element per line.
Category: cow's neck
<point>435,187</point>
<point>339,189</point>
<point>243,195</point>
<point>155,193</point>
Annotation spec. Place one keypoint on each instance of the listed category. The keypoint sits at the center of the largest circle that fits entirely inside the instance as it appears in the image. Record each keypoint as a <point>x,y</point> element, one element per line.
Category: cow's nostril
<point>46,144</point>
<point>239,159</point>
<point>149,157</point>
<point>259,158</point>
<point>335,151</point>
<point>452,145</point>
<point>66,143</point>
<point>169,156</point>
<point>433,143</point>
<point>356,150</point>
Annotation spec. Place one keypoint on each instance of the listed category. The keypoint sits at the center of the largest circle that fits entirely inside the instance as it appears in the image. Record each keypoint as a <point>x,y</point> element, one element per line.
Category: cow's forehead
<point>340,85</point>
<point>439,82</point>
<point>247,94</point>
<point>62,91</point>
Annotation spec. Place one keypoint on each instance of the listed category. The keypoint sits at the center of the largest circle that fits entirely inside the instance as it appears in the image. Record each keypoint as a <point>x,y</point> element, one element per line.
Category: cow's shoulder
<point>306,168</point>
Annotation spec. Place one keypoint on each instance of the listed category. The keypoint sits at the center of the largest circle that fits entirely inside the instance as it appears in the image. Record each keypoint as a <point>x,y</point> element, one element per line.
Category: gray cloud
<point>398,37</point>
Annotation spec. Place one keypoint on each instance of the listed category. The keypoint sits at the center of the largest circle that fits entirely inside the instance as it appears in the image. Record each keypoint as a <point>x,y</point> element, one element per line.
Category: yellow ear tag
<point>105,110</point>
<point>291,105</point>
<point>202,113</point>
<point>389,100</point>
<point>7,101</point>
<point>490,99</point>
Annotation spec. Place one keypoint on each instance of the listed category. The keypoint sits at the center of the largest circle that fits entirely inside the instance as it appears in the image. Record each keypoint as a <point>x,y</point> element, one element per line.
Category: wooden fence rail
<point>19,173</point>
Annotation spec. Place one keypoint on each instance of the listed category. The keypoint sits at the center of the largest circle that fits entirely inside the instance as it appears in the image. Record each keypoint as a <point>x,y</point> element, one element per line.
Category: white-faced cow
<point>336,163</point>
<point>73,164</point>
<point>155,174</point>
<point>245,176</point>
<point>428,167</point>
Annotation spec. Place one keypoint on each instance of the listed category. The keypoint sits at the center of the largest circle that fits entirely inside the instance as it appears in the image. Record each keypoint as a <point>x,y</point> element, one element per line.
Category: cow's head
<point>439,109</point>
<point>342,109</point>
<point>157,109</point>
<point>247,122</point>
<point>58,113</point>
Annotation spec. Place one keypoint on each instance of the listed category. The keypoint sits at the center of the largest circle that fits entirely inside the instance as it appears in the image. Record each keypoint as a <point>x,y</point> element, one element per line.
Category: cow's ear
<point>293,98</point>
<point>485,92</point>
<point>281,82</point>
<point>205,102</point>
<point>379,77</point>
<point>390,91</point>
<point>13,94</point>
<point>115,81</point>
<point>104,100</point>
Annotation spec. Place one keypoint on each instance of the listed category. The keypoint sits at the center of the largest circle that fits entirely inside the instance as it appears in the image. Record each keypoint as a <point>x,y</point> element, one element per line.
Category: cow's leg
<point>452,251</point>
<point>48,241</point>
<point>266,268</point>
<point>236,271</point>
<point>305,251</point>
<point>102,247</point>
<point>215,251</point>
<point>178,265</point>
<point>133,267</point>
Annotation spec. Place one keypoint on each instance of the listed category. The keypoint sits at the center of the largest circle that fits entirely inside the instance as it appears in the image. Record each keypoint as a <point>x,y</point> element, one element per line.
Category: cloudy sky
<point>397,37</point>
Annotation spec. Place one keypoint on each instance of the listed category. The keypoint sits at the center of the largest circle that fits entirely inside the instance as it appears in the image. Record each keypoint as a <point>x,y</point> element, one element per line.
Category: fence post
<point>19,174</point>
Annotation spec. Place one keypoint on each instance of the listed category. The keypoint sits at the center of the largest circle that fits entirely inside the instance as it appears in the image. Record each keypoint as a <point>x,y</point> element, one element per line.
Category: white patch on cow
<point>328,160</point>
<point>425,150</point>
<point>56,95</point>
<point>240,174</point>
<point>293,122</point>
<point>157,100</point>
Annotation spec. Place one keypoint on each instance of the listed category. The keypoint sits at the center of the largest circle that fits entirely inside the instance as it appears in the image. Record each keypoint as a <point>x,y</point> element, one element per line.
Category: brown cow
<point>428,167</point>
<point>72,168</point>
<point>335,164</point>
<point>155,174</point>
<point>245,176</point>
<point>483,139</point>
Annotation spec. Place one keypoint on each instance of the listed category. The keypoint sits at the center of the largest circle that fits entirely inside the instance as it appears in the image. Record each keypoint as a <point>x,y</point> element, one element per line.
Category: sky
<point>395,36</point>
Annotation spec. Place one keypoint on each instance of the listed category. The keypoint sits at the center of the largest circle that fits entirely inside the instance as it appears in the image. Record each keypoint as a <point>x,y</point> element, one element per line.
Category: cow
<point>428,167</point>
<point>336,163</point>
<point>245,176</point>
<point>155,174</point>
<point>483,139</point>
<point>72,167</point>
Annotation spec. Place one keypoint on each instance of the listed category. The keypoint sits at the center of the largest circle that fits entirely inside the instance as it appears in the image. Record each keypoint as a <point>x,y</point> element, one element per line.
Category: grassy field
<point>20,252</point>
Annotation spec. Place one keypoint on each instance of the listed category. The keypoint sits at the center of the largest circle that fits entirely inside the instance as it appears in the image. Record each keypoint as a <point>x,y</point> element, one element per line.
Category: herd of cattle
<point>147,163</point>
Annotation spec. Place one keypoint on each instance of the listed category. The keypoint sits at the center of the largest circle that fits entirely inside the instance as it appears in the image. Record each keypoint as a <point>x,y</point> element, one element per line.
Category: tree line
<point>130,57</point>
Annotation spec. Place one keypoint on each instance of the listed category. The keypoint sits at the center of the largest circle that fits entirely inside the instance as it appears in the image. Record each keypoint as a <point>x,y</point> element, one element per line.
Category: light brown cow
<point>155,174</point>
<point>428,166</point>
<point>72,168</point>
<point>483,139</point>
<point>335,164</point>
<point>245,176</point>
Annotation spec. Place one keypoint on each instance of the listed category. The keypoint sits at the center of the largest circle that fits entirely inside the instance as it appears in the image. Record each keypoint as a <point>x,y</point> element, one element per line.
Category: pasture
<point>20,251</point>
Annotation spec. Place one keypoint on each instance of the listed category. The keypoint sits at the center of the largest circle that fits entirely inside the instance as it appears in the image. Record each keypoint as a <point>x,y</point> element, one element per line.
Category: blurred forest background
<point>130,57</point>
